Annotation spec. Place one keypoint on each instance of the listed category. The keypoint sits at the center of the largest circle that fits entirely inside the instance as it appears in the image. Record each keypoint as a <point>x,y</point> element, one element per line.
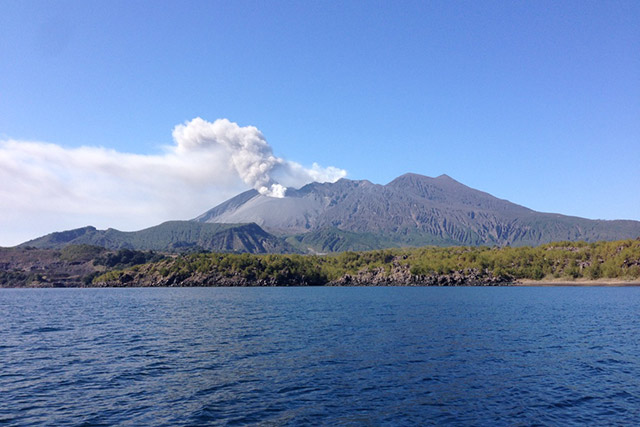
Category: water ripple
<point>314,356</point>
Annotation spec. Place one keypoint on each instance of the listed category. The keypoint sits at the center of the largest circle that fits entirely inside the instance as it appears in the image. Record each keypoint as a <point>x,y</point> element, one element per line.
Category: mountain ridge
<point>178,236</point>
<point>411,210</point>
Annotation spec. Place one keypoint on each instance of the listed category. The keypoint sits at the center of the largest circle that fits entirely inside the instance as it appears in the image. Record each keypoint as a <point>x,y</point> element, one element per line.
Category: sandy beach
<point>578,282</point>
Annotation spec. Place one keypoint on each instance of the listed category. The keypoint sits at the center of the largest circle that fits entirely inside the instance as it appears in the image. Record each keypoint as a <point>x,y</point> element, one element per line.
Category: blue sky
<point>535,102</point>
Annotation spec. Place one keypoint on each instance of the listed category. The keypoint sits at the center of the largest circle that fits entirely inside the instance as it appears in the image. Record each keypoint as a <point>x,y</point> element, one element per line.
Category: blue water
<point>327,356</point>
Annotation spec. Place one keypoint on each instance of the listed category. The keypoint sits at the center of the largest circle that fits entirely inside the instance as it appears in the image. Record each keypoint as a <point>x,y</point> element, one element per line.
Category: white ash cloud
<point>45,187</point>
<point>251,156</point>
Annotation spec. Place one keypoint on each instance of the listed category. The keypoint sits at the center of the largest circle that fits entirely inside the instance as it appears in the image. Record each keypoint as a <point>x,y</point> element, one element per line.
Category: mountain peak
<point>355,182</point>
<point>413,179</point>
<point>411,210</point>
<point>410,176</point>
<point>445,177</point>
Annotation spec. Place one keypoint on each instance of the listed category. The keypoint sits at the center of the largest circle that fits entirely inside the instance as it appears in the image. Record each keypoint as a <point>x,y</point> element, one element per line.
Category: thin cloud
<point>46,187</point>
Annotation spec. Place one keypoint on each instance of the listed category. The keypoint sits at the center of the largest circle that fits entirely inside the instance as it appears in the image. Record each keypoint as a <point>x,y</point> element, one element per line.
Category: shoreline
<point>578,283</point>
<point>607,283</point>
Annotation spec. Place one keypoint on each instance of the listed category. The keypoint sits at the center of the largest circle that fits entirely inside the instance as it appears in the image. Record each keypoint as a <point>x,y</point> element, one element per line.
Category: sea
<point>366,356</point>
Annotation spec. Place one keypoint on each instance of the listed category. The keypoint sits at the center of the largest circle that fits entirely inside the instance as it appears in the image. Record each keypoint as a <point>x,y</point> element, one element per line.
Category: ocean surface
<point>320,356</point>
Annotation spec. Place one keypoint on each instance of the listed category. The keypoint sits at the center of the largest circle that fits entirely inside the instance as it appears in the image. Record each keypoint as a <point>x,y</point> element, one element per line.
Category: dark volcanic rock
<point>40,268</point>
<point>401,276</point>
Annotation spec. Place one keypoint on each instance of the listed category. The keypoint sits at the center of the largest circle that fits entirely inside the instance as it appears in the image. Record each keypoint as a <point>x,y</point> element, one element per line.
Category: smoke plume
<point>251,156</point>
<point>46,187</point>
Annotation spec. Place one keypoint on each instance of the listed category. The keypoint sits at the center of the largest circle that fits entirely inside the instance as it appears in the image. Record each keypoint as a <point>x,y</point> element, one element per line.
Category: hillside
<point>29,267</point>
<point>178,236</point>
<point>83,265</point>
<point>411,210</point>
<point>429,266</point>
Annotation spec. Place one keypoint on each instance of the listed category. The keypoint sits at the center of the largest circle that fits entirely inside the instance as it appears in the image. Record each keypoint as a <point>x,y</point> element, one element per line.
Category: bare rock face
<point>174,236</point>
<point>400,275</point>
<point>412,210</point>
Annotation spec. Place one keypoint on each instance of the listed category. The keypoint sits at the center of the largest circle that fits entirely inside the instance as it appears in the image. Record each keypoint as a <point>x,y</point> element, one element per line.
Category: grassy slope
<point>171,236</point>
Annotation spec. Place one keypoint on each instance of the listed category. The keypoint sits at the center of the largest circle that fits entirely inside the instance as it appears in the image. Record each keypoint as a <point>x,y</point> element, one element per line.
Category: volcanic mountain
<point>411,210</point>
<point>172,236</point>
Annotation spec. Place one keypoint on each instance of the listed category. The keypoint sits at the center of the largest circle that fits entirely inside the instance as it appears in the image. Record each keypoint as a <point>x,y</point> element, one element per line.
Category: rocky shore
<point>555,264</point>
<point>400,275</point>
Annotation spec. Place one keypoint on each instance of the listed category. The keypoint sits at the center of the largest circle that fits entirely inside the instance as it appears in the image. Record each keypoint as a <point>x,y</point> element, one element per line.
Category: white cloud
<point>45,187</point>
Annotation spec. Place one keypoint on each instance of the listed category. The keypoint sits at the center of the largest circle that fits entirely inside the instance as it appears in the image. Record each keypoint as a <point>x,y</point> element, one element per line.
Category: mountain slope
<point>172,235</point>
<point>412,210</point>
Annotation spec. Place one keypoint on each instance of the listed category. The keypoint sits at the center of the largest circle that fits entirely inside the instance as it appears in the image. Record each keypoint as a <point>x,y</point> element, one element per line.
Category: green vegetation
<point>8,278</point>
<point>80,253</point>
<point>569,260</point>
<point>71,266</point>
<point>566,260</point>
<point>172,236</point>
<point>126,258</point>
<point>84,265</point>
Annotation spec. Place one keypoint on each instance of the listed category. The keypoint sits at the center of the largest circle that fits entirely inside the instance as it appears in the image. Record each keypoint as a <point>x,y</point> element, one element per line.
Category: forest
<point>415,266</point>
